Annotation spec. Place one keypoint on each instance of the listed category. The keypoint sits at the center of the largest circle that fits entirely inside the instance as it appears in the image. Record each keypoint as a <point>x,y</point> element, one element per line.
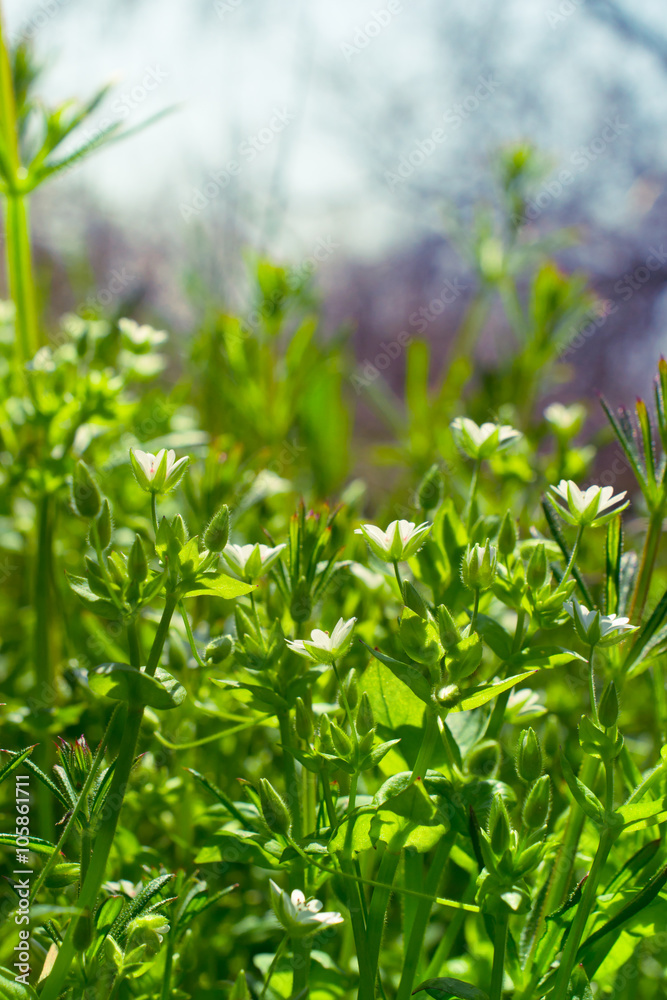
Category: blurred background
<point>356,141</point>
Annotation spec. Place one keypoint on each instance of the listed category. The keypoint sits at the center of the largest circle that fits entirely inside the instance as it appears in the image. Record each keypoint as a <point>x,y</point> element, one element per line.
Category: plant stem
<point>573,555</point>
<point>428,745</point>
<point>19,259</point>
<point>44,680</point>
<point>591,689</point>
<point>165,992</point>
<point>498,714</point>
<point>188,632</point>
<point>499,948</point>
<point>645,573</point>
<point>154,513</point>
<point>272,968</point>
<point>581,916</point>
<point>399,581</point>
<point>475,609</point>
<point>472,493</point>
<point>422,913</point>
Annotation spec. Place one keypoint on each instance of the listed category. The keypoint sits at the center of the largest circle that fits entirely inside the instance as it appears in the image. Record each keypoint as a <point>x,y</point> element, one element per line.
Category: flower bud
<point>137,565</point>
<point>499,826</point>
<point>608,708</point>
<point>104,525</point>
<point>304,720</point>
<point>365,721</point>
<point>413,600</point>
<point>218,649</point>
<point>275,812</point>
<point>507,535</point>
<point>537,804</point>
<point>341,741</point>
<point>86,496</point>
<point>537,571</point>
<point>430,489</point>
<point>352,690</point>
<point>483,759</point>
<point>179,529</point>
<point>62,875</point>
<point>449,630</point>
<point>366,743</point>
<point>479,565</point>
<point>529,763</point>
<point>326,743</point>
<point>301,605</point>
<point>216,535</point>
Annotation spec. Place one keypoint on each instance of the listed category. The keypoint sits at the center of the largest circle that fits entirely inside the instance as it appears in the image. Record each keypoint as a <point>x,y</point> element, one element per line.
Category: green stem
<point>472,493</point>
<point>289,772</point>
<point>428,745</point>
<point>422,913</point>
<point>583,912</point>
<point>154,513</point>
<point>107,830</point>
<point>188,632</point>
<point>44,679</point>
<point>591,689</point>
<point>399,581</point>
<point>645,573</point>
<point>475,609</point>
<point>573,555</point>
<point>378,908</point>
<point>272,968</point>
<point>499,948</point>
<point>498,714</point>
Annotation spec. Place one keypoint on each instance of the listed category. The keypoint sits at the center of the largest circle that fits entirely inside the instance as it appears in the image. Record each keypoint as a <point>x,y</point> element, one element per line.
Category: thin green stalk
<point>272,968</point>
<point>399,581</point>
<point>107,830</point>
<point>44,679</point>
<point>472,493</point>
<point>475,610</point>
<point>573,555</point>
<point>499,949</point>
<point>591,689</point>
<point>191,638</point>
<point>429,742</point>
<point>583,912</point>
<point>415,941</point>
<point>448,940</point>
<point>154,513</point>
<point>377,910</point>
<point>645,573</point>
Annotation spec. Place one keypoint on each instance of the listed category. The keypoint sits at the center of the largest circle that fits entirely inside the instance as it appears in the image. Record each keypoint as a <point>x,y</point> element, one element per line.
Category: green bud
<point>304,720</point>
<point>137,565</point>
<point>537,804</point>
<point>507,535</point>
<point>86,496</point>
<point>413,600</point>
<point>537,571</point>
<point>499,826</point>
<point>551,736</point>
<point>449,630</point>
<point>275,812</point>
<point>61,875</point>
<point>366,742</point>
<point>479,566</point>
<point>326,743</point>
<point>217,533</point>
<point>301,605</point>
<point>179,529</point>
<point>608,707</point>
<point>483,759</point>
<point>430,489</point>
<point>352,690</point>
<point>365,721</point>
<point>341,741</point>
<point>104,524</point>
<point>218,649</point>
<point>529,762</point>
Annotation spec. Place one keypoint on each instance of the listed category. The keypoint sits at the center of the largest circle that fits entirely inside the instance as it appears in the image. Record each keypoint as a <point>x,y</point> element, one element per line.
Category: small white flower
<point>596,629</point>
<point>140,338</point>
<point>251,561</point>
<point>322,647</point>
<point>587,507</point>
<point>400,541</point>
<point>157,473</point>
<point>300,917</point>
<point>480,442</point>
<point>565,420</point>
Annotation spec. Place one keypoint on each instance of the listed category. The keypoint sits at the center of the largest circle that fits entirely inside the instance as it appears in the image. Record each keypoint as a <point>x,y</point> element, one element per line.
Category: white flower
<point>298,916</point>
<point>400,541</point>
<point>140,338</point>
<point>322,647</point>
<point>586,508</point>
<point>596,629</point>
<point>251,561</point>
<point>566,420</point>
<point>157,473</point>
<point>482,442</point>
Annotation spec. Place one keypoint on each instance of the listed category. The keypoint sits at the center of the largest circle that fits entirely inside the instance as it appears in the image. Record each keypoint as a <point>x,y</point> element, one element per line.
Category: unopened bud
<point>537,804</point>
<point>104,524</point>
<point>216,535</point>
<point>483,759</point>
<point>507,535</point>
<point>86,496</point>
<point>413,600</point>
<point>326,743</point>
<point>529,762</point>
<point>499,826</point>
<point>179,529</point>
<point>608,708</point>
<point>537,570</point>
<point>479,565</point>
<point>449,630</point>
<point>365,721</point>
<point>61,875</point>
<point>137,565</point>
<point>275,812</point>
<point>352,690</point>
<point>218,649</point>
<point>304,720</point>
<point>341,740</point>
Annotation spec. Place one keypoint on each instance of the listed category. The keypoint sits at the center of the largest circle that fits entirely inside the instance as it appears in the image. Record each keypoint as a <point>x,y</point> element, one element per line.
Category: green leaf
<point>217,793</point>
<point>495,636</point>
<point>240,989</point>
<point>14,762</point>
<point>11,990</point>
<point>37,845</point>
<point>266,696</point>
<point>445,987</point>
<point>122,682</point>
<point>544,657</point>
<point>406,797</point>
<point>613,557</point>
<point>90,601</point>
<point>218,586</point>
<point>579,987</point>
<point>582,795</point>
<point>635,812</point>
<point>243,846</point>
<point>135,907</point>
<point>483,693</point>
<point>394,704</point>
<point>646,632</point>
<point>405,672</point>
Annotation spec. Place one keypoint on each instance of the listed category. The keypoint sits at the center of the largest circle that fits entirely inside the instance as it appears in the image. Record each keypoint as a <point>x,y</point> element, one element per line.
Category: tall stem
<point>19,259</point>
<point>645,573</point>
<point>44,680</point>
<point>499,948</point>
